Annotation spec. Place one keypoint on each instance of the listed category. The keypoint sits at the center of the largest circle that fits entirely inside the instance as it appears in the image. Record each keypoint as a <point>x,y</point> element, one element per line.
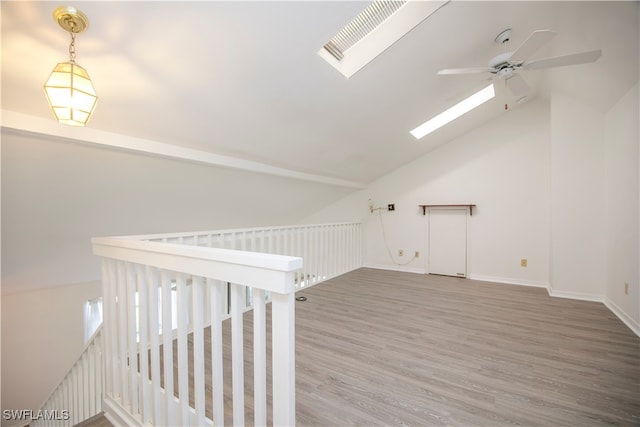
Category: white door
<point>448,242</point>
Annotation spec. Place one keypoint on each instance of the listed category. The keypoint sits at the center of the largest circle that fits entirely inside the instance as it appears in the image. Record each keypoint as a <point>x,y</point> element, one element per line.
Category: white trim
<point>49,127</point>
<point>117,415</point>
<point>509,281</point>
<point>401,269</point>
<point>626,319</point>
<point>574,295</point>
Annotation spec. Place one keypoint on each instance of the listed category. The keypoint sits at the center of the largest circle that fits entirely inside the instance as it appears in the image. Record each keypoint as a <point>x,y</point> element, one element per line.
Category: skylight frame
<point>381,37</point>
<point>374,15</point>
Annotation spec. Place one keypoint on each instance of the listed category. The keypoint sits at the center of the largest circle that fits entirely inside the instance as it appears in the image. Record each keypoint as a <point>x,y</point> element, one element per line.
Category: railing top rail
<point>261,270</point>
<point>228,231</point>
<point>254,259</point>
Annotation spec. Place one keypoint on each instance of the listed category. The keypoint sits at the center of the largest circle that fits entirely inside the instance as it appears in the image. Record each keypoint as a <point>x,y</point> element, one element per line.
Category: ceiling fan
<point>507,65</point>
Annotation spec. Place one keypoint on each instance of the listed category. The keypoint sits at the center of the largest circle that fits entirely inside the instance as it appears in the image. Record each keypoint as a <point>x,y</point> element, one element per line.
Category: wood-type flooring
<point>388,348</point>
<point>381,348</point>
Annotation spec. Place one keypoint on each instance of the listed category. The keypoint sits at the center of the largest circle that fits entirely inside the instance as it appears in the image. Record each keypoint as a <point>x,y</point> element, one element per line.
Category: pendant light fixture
<point>69,89</point>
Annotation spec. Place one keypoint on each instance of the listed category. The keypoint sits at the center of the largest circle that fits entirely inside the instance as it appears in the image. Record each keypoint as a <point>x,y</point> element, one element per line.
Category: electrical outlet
<point>626,289</point>
<point>391,207</point>
<point>417,255</point>
<point>400,252</point>
<point>523,262</point>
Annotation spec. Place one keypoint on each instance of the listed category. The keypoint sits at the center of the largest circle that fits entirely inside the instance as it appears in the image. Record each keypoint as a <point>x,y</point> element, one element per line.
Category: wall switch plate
<point>391,207</point>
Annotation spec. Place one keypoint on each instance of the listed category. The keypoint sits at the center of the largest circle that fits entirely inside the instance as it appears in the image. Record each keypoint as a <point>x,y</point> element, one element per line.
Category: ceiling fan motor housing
<point>500,61</point>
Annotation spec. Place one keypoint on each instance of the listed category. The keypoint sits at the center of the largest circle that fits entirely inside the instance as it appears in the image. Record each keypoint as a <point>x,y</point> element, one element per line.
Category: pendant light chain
<point>72,48</point>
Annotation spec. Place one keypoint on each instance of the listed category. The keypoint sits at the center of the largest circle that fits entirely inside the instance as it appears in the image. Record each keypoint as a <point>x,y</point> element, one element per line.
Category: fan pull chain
<point>506,107</point>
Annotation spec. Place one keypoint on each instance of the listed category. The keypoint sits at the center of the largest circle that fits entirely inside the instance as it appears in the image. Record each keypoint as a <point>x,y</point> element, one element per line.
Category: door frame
<point>465,209</point>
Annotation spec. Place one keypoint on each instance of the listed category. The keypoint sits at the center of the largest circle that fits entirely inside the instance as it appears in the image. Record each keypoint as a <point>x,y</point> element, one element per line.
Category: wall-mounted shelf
<point>424,207</point>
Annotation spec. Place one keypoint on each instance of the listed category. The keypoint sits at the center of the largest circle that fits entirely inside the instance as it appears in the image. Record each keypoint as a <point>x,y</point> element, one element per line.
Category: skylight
<point>375,14</point>
<point>454,112</point>
<point>376,28</point>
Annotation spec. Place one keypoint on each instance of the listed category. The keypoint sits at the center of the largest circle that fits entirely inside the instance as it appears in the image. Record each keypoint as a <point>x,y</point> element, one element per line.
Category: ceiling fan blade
<point>518,86</point>
<point>476,70</point>
<point>536,40</point>
<point>561,61</point>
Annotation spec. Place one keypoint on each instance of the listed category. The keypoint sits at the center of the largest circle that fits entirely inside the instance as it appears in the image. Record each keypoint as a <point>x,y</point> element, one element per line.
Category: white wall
<point>557,184</point>
<point>502,167</point>
<point>57,195</point>
<point>42,336</point>
<point>577,200</point>
<point>621,136</point>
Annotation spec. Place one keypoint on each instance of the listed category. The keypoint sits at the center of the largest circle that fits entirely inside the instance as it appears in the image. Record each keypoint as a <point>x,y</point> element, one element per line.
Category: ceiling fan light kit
<point>69,89</point>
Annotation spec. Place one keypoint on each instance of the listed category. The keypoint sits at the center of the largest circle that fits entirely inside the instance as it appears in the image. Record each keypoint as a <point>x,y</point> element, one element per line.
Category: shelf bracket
<point>470,206</point>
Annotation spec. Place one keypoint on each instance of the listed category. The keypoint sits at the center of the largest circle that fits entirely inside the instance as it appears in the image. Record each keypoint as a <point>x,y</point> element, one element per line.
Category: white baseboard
<point>403,269</point>
<point>626,319</point>
<point>575,295</point>
<point>509,281</point>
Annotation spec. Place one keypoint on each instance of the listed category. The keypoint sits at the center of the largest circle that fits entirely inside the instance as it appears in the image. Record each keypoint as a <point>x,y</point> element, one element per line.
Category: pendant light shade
<point>71,94</point>
<point>69,89</point>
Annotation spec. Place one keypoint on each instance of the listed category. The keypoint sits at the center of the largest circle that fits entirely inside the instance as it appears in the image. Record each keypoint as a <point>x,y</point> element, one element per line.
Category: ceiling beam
<point>48,127</point>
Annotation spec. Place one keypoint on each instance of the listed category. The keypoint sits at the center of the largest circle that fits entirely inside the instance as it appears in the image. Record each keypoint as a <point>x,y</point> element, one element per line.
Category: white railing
<point>79,395</point>
<point>328,250</point>
<point>166,296</point>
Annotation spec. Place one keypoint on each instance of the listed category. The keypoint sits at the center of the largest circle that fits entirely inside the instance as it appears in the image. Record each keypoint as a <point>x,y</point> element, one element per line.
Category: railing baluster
<point>74,394</point>
<point>109,286</point>
<point>153,284</point>
<point>85,372</point>
<point>122,326</point>
<point>167,348</point>
<point>100,371</point>
<point>183,363</point>
<point>323,251</point>
<point>217,292</point>
<point>237,352</point>
<point>91,389</point>
<point>342,243</point>
<point>65,397</point>
<point>143,344</point>
<point>259,358</point>
<point>198,349</point>
<point>132,329</point>
<point>286,250</point>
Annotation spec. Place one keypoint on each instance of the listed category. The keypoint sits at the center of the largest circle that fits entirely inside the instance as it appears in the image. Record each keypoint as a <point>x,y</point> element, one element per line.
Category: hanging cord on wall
<point>386,244</point>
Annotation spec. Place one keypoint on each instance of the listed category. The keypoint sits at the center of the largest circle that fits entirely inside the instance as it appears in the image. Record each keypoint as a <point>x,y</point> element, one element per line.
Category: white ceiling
<point>243,79</point>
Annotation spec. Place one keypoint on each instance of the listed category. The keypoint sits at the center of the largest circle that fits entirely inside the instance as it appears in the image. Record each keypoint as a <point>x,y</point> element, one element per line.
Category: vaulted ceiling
<point>243,79</point>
